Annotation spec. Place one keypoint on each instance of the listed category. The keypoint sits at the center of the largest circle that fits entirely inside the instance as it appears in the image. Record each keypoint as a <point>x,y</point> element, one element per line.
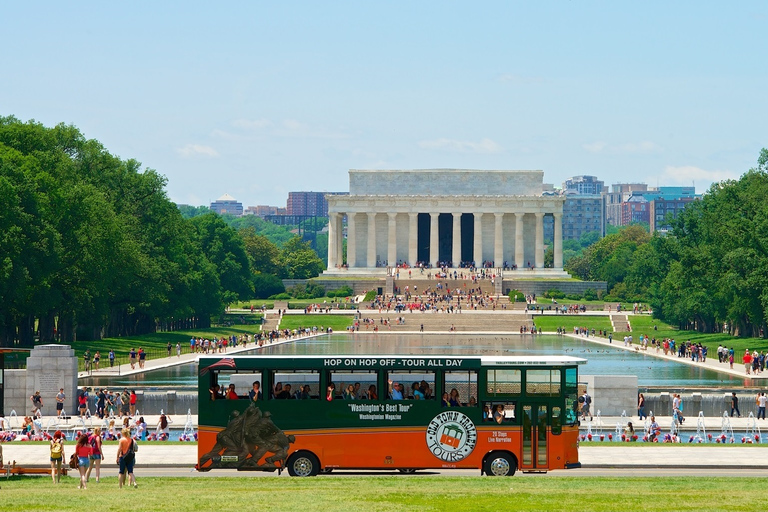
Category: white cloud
<point>628,147</point>
<point>688,174</point>
<point>251,124</point>
<point>463,146</point>
<point>193,150</point>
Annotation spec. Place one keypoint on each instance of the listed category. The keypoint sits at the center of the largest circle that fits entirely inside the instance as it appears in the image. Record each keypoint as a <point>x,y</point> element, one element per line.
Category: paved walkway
<point>617,455</point>
<point>711,363</point>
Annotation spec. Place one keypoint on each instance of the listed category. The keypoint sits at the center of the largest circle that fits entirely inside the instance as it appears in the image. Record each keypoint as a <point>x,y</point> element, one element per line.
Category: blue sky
<point>256,99</point>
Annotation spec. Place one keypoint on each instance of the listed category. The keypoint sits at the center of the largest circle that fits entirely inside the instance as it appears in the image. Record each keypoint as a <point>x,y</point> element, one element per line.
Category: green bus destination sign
<point>394,363</point>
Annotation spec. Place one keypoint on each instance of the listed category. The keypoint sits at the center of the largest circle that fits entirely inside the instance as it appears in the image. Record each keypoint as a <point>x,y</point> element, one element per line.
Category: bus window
<point>542,382</point>
<point>499,412</point>
<point>572,409</point>
<point>571,381</point>
<point>243,382</point>
<point>297,384</point>
<point>461,388</point>
<point>556,421</point>
<point>505,382</point>
<point>418,385</point>
<point>353,384</point>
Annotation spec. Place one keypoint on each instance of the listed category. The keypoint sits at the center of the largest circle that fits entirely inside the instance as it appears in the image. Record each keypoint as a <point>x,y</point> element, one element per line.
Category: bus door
<point>534,447</point>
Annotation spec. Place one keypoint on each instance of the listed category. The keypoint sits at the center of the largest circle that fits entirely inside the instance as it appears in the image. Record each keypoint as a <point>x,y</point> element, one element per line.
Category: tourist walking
<point>735,405</point>
<point>60,397</point>
<point>126,458</point>
<point>641,406</point>
<point>761,401</point>
<point>94,440</point>
<point>37,404</point>
<point>83,453</point>
<point>57,456</point>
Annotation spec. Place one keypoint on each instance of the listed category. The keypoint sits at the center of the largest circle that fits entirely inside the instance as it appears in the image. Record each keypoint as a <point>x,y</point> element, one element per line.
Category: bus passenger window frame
<point>364,383</point>
<point>470,383</point>
<point>408,389</point>
<point>316,393</point>
<point>509,405</point>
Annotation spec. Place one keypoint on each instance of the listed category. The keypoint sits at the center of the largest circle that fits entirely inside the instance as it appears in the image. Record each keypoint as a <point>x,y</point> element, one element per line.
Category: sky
<point>256,99</point>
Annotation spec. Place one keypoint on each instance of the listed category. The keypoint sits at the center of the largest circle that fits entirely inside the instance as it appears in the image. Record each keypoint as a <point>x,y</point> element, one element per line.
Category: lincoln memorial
<point>443,217</point>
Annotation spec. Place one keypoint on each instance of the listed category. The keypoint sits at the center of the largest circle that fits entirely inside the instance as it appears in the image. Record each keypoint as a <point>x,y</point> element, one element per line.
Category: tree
<point>301,262</point>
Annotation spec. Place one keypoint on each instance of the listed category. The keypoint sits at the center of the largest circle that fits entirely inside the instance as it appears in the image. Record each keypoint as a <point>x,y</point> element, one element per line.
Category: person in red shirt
<point>83,452</point>
<point>231,393</point>
<point>133,402</point>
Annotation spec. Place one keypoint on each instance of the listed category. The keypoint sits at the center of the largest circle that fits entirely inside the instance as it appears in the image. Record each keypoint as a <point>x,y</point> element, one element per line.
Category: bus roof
<point>552,360</point>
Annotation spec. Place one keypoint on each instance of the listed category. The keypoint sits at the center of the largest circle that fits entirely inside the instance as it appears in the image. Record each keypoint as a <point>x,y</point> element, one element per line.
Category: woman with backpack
<point>126,457</point>
<point>57,455</point>
<point>94,440</point>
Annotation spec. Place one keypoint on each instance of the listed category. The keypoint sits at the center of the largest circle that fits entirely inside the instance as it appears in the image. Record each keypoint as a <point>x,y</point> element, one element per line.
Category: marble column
<point>456,253</point>
<point>434,239</point>
<point>539,240</point>
<point>413,238</point>
<point>498,241</point>
<point>332,234</point>
<point>351,240</point>
<point>519,249</point>
<point>477,254</point>
<point>340,241</point>
<point>371,239</point>
<point>558,241</point>
<point>392,240</point>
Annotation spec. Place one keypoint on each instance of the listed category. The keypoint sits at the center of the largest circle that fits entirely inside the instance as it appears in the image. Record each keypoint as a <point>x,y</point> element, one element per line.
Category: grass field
<point>643,324</point>
<point>388,493</point>
<point>336,322</point>
<point>154,343</point>
<point>551,323</point>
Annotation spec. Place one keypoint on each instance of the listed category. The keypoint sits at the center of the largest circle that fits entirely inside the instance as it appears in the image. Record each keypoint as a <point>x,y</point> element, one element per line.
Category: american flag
<point>227,362</point>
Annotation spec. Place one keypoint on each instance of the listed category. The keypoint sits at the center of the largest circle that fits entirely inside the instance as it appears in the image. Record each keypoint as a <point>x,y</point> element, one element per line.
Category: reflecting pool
<point>651,372</point>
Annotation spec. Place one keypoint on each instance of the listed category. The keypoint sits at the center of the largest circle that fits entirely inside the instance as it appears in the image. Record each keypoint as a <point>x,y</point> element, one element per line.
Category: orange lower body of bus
<point>407,448</point>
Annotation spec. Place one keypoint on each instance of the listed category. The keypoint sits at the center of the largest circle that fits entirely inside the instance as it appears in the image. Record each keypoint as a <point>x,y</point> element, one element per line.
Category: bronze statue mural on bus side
<point>247,438</point>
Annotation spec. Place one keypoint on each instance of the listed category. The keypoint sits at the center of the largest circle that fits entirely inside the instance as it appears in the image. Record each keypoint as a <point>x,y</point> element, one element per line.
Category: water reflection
<point>651,372</point>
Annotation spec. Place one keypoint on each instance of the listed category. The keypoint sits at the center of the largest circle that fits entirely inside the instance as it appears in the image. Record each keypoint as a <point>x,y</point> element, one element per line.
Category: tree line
<point>91,246</point>
<point>709,273</point>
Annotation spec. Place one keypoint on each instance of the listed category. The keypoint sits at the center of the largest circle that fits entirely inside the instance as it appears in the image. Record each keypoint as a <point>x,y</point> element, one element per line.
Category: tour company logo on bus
<point>451,436</point>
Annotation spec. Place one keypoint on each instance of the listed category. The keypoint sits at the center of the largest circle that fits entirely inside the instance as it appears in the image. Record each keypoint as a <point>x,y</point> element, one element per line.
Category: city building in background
<point>586,185</point>
<point>312,204</point>
<point>227,204</point>
<point>619,193</point>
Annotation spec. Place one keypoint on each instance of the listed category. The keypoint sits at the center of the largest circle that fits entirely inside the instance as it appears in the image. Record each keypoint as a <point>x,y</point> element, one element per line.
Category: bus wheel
<point>500,464</point>
<point>407,471</point>
<point>303,464</point>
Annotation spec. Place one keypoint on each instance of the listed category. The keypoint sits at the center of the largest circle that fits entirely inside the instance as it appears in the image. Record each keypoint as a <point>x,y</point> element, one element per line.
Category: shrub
<point>369,296</point>
<point>554,294</point>
<point>573,296</point>
<point>281,296</point>
<point>344,291</point>
<point>516,296</point>
<point>590,294</point>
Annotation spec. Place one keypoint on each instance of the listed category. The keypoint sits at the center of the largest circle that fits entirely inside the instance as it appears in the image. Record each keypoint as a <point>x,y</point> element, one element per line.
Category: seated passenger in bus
<point>359,392</point>
<point>395,390</point>
<point>284,393</point>
<point>372,395</point>
<point>349,392</point>
<point>330,392</point>
<point>231,393</point>
<point>472,402</point>
<point>487,413</point>
<point>278,389</point>
<point>304,393</point>
<point>417,394</point>
<point>498,414</point>
<point>453,400</point>
<point>255,394</point>
<point>444,401</point>
<point>215,392</point>
<point>425,390</point>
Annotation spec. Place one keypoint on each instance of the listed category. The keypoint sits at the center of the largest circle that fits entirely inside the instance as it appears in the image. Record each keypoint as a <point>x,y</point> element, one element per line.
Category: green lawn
<point>644,324</point>
<point>551,323</point>
<point>388,493</point>
<point>336,322</point>
<point>154,343</point>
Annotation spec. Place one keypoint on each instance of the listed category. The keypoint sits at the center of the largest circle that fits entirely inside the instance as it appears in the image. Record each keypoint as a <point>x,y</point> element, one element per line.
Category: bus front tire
<point>303,464</point>
<point>500,464</point>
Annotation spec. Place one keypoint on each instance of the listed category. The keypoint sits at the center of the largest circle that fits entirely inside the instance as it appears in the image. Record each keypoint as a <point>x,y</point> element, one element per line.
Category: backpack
<point>56,450</point>
<point>588,399</point>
